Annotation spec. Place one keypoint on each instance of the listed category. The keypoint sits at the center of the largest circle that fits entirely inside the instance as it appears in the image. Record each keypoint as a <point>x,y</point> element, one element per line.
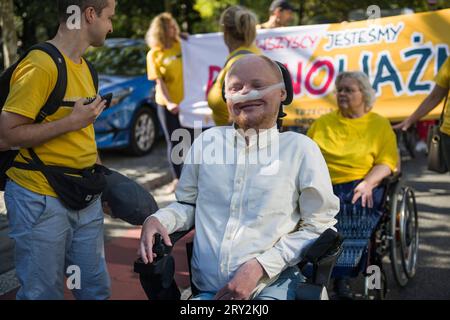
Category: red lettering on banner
<point>297,78</point>
<point>330,76</point>
<point>297,81</point>
<point>213,72</point>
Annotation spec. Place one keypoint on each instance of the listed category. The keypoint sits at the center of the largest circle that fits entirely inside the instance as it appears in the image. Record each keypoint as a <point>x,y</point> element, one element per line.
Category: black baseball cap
<point>283,4</point>
<point>128,200</point>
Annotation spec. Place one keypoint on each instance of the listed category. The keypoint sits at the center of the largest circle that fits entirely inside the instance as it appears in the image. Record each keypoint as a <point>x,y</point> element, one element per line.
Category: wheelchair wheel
<point>409,233</point>
<point>397,212</point>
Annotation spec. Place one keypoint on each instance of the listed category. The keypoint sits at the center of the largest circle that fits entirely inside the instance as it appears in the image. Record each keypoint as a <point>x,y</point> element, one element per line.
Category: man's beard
<point>260,121</point>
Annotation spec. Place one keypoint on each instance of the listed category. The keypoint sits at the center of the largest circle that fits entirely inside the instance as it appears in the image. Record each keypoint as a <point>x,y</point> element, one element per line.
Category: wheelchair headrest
<point>287,84</point>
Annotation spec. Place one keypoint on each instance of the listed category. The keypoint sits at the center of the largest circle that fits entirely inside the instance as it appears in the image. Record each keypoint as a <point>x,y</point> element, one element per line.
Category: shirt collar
<point>260,139</point>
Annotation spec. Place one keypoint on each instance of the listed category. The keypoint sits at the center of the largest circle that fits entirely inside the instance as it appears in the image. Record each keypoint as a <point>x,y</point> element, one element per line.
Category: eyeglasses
<point>347,90</point>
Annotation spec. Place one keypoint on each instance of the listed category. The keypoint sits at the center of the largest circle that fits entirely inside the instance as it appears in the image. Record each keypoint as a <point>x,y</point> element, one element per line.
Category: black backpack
<point>54,101</point>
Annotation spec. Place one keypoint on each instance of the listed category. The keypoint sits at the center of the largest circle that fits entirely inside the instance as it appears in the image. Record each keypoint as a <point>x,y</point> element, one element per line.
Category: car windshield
<point>119,60</point>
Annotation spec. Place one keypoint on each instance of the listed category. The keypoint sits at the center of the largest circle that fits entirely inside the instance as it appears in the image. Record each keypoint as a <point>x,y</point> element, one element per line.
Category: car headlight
<point>119,96</point>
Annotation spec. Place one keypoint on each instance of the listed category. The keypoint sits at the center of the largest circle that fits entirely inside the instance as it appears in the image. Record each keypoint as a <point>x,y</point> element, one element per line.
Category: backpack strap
<point>55,99</point>
<point>57,95</point>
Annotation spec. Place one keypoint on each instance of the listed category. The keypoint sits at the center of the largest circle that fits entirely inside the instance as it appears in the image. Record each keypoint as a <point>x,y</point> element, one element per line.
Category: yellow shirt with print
<point>31,84</point>
<point>352,147</point>
<point>443,80</point>
<point>166,64</point>
<point>215,101</point>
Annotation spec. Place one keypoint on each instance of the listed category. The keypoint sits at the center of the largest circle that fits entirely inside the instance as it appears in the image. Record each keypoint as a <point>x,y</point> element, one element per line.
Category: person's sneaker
<point>343,289</point>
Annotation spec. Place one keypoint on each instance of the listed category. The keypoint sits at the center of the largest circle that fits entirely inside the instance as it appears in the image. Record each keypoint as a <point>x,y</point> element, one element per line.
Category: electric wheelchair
<point>157,278</point>
<point>365,236</point>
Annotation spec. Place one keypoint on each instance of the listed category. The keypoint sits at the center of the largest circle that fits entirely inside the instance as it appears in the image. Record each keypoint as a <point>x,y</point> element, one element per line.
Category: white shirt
<point>270,211</point>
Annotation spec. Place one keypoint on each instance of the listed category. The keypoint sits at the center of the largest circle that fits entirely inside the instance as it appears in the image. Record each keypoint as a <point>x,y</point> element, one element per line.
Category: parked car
<point>131,122</point>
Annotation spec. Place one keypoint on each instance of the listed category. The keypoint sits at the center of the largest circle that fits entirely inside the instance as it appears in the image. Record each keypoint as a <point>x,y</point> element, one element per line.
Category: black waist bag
<point>76,188</point>
<point>77,192</point>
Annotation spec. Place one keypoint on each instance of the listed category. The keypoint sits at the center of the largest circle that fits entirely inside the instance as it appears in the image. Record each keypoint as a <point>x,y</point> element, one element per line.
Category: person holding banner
<point>239,34</point>
<point>281,15</point>
<point>164,65</point>
<point>439,92</point>
<point>359,146</point>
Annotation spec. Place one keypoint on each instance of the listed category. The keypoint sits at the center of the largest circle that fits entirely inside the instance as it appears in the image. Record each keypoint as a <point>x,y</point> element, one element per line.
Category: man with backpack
<point>53,186</point>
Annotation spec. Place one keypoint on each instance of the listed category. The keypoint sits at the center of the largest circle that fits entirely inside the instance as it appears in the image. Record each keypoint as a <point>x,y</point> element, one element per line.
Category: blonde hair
<point>239,25</point>
<point>156,35</point>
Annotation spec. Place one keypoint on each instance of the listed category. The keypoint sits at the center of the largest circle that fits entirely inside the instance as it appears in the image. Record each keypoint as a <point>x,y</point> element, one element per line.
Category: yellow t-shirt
<point>166,64</point>
<point>31,84</point>
<point>215,101</point>
<point>352,147</point>
<point>443,80</point>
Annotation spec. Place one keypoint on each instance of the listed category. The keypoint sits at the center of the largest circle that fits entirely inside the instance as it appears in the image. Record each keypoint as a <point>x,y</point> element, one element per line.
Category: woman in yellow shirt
<point>164,65</point>
<point>359,146</point>
<point>239,33</point>
<point>439,92</point>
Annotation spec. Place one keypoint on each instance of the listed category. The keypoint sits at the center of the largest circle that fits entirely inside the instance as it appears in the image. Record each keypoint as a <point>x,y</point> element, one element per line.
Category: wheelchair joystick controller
<point>159,248</point>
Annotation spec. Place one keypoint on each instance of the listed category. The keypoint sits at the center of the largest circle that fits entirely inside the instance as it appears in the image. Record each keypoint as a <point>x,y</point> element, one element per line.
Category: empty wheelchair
<point>370,235</point>
<point>157,278</point>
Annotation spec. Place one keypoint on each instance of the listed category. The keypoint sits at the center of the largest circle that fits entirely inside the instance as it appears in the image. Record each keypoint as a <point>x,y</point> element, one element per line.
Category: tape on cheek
<point>252,94</point>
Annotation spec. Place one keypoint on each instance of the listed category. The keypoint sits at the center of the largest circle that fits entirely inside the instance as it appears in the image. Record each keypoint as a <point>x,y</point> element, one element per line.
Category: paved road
<point>432,280</point>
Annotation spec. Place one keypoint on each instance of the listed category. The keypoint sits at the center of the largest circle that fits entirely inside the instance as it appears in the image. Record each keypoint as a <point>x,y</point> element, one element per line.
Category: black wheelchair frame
<point>157,278</point>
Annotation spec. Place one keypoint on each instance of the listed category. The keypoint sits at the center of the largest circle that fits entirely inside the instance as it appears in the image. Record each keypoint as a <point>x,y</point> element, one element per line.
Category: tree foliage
<point>37,20</point>
<point>9,36</point>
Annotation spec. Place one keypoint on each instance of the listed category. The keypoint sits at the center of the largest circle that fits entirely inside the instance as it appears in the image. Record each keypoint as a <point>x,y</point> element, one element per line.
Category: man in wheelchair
<point>256,216</point>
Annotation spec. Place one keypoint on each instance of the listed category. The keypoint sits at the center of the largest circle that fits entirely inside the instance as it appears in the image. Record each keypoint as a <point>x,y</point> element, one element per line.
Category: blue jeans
<point>49,239</point>
<point>282,289</point>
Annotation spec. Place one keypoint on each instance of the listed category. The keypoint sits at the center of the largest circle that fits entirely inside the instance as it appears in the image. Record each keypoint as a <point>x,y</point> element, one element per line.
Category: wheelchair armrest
<point>391,179</point>
<point>160,247</point>
<point>323,254</point>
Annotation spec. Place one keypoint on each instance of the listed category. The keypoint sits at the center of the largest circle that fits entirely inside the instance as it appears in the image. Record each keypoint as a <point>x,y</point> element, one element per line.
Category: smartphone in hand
<point>107,97</point>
